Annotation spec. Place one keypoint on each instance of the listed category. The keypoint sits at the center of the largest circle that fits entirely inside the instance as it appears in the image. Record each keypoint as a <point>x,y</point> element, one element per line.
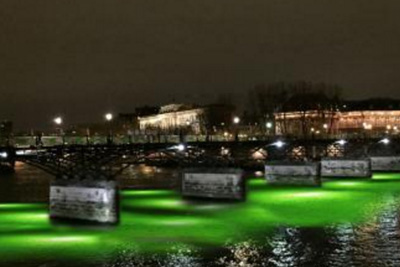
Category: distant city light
<point>367,126</point>
<point>325,126</point>
<point>58,120</point>
<point>3,155</point>
<point>269,125</point>
<point>109,116</point>
<point>236,120</point>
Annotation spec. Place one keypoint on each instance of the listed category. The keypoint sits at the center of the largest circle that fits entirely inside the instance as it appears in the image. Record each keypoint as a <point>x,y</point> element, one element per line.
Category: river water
<point>352,222</point>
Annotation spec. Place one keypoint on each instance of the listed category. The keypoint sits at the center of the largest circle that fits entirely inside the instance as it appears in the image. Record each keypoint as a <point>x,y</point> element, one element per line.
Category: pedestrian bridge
<point>96,158</point>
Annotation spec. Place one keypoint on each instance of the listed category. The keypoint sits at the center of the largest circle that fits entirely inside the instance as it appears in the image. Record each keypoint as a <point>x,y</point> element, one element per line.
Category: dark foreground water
<point>351,222</point>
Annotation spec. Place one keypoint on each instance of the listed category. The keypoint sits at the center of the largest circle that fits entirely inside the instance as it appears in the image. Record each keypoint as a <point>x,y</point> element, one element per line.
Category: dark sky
<point>81,58</point>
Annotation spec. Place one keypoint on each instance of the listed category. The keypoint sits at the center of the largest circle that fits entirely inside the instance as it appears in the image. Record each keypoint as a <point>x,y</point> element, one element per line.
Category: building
<point>192,118</point>
<point>373,116</point>
<point>173,116</point>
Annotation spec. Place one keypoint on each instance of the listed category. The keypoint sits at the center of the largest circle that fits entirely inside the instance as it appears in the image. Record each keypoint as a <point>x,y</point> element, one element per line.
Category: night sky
<point>81,58</point>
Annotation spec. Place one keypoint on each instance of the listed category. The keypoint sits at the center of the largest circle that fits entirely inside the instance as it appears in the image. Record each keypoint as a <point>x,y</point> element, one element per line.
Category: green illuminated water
<point>154,220</point>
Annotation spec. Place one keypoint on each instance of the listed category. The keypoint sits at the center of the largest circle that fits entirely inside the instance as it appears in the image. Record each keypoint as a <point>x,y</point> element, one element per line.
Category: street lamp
<point>236,121</point>
<point>58,121</point>
<point>269,125</point>
<point>109,117</point>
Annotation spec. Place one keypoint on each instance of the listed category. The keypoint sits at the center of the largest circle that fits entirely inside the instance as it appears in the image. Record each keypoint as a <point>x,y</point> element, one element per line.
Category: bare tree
<point>264,101</point>
<point>315,103</point>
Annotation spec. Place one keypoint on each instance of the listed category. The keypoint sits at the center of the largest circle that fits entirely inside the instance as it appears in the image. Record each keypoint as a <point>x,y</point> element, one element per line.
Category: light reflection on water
<point>374,241</point>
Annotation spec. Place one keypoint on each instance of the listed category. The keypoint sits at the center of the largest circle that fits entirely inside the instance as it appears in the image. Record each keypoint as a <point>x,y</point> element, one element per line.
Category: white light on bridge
<point>385,141</point>
<point>342,142</point>
<point>181,147</point>
<point>279,144</point>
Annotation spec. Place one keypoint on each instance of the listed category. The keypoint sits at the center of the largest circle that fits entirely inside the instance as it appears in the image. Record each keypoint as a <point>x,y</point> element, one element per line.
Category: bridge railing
<point>32,141</point>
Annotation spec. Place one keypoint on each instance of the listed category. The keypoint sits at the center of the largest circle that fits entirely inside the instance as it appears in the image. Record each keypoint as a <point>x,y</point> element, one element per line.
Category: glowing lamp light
<point>325,126</point>
<point>385,141</point>
<point>236,120</point>
<point>279,144</point>
<point>341,142</point>
<point>109,116</point>
<point>181,147</point>
<point>3,155</point>
<point>58,120</point>
<point>269,125</point>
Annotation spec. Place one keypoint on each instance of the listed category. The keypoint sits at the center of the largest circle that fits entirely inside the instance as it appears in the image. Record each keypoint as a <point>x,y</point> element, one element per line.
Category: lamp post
<point>58,122</point>
<point>269,125</point>
<point>87,136</point>
<point>236,121</point>
<point>109,117</point>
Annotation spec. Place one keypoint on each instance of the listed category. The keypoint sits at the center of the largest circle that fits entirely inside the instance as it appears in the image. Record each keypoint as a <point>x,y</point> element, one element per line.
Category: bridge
<point>100,158</point>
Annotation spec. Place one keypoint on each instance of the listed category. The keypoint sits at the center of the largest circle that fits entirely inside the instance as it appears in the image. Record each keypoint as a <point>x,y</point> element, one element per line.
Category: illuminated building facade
<point>374,116</point>
<point>173,116</point>
<point>192,118</point>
